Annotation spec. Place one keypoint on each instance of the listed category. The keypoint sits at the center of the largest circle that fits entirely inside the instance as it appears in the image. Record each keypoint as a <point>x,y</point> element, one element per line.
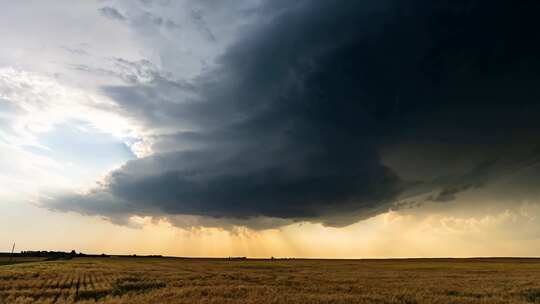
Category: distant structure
<point>12,250</point>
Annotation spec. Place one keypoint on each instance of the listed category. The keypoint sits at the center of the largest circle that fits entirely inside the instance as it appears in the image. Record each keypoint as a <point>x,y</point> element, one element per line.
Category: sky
<point>310,128</point>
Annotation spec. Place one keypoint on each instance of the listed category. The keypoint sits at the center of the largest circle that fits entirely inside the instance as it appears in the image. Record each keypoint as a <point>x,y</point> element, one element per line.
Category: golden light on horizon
<point>391,234</point>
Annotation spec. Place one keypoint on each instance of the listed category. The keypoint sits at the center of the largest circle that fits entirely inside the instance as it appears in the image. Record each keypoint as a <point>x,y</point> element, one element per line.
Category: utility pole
<point>12,250</point>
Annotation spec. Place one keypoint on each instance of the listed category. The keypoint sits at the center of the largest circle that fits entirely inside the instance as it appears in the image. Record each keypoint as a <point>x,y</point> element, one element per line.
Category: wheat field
<point>173,280</point>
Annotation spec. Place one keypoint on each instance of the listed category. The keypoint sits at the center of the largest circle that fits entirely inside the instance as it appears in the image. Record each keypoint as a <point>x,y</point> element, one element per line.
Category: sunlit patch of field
<point>169,280</point>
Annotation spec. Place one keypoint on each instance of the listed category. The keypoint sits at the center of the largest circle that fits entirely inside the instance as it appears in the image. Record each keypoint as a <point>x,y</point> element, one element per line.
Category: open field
<point>18,260</point>
<point>171,280</point>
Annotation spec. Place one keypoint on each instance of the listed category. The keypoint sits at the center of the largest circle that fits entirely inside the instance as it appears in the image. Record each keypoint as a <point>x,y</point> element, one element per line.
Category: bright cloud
<point>33,108</point>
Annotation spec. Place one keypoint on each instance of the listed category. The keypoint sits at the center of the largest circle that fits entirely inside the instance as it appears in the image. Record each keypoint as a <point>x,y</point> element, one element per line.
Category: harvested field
<point>174,280</point>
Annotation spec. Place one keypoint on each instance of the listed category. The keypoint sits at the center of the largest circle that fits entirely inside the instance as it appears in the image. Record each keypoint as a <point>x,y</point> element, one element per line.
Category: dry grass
<point>17,260</point>
<point>140,280</point>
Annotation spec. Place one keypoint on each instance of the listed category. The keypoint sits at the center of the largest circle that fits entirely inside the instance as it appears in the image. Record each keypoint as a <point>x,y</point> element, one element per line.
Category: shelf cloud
<point>326,112</point>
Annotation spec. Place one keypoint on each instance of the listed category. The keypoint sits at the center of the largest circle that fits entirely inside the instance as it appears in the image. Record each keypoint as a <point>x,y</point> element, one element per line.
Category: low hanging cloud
<point>296,118</point>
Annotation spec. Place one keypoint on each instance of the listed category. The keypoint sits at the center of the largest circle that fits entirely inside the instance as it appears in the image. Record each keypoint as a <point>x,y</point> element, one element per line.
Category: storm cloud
<point>332,112</point>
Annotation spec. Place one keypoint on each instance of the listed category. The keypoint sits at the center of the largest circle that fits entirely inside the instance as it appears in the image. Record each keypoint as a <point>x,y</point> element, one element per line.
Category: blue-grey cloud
<point>145,18</point>
<point>198,20</point>
<point>112,13</point>
<point>293,120</point>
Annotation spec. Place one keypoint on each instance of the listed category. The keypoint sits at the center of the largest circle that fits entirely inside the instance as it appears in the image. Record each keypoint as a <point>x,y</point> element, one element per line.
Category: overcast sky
<point>389,127</point>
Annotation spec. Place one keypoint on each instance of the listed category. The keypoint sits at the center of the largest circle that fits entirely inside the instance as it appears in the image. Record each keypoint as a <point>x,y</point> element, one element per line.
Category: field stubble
<point>171,280</point>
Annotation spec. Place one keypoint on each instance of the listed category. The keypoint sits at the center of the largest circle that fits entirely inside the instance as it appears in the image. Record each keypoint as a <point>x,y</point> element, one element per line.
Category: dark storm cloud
<point>292,123</point>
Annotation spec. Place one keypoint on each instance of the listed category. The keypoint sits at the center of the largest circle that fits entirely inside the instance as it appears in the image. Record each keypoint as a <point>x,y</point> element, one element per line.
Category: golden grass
<point>17,260</point>
<point>169,280</point>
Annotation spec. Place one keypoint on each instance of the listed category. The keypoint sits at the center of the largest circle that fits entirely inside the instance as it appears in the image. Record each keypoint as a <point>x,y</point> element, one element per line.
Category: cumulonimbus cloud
<point>292,121</point>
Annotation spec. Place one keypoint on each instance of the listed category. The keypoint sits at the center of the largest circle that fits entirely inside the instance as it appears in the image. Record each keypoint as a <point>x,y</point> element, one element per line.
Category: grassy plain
<point>172,280</point>
<point>17,260</point>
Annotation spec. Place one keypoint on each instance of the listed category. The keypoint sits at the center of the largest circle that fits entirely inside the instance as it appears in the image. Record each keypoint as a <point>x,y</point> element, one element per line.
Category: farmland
<point>9,261</point>
<point>175,280</point>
